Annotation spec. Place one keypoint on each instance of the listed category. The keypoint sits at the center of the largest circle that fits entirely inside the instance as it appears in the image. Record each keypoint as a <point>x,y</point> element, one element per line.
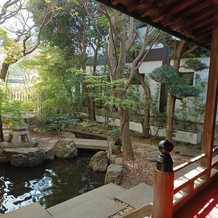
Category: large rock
<point>65,148</point>
<point>99,161</point>
<point>3,157</point>
<point>25,156</point>
<point>69,135</point>
<point>114,174</point>
<point>49,153</point>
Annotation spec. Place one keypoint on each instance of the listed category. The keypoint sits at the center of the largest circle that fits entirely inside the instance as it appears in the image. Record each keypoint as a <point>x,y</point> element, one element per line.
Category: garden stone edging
<point>25,156</point>
<point>114,172</point>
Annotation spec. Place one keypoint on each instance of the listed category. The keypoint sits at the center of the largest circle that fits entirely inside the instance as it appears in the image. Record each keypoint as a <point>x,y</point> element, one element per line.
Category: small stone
<point>119,161</point>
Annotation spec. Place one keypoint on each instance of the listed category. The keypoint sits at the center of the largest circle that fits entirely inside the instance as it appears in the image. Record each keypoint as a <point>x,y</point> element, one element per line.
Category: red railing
<point>172,189</point>
<point>193,181</point>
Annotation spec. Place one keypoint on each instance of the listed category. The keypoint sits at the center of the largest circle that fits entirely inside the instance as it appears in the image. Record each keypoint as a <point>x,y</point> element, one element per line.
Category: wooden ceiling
<point>187,19</point>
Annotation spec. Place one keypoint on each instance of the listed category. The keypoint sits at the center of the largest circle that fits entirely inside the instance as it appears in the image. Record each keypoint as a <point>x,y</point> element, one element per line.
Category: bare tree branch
<point>189,50</point>
<point>6,13</point>
<point>142,54</point>
<point>25,33</point>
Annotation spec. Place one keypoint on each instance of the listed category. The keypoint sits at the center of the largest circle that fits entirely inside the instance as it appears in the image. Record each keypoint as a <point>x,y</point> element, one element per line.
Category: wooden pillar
<point>211,101</point>
<point>163,195</point>
<point>164,182</point>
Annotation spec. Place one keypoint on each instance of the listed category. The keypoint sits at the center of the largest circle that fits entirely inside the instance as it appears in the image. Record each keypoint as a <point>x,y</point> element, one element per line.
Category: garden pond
<point>49,184</point>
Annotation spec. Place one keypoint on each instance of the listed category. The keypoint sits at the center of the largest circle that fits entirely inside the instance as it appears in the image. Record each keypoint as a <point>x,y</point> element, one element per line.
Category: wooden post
<point>164,183</point>
<point>211,102</point>
<point>163,195</point>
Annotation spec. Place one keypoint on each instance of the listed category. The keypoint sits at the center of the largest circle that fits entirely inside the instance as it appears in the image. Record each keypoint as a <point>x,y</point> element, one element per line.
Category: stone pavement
<point>98,203</point>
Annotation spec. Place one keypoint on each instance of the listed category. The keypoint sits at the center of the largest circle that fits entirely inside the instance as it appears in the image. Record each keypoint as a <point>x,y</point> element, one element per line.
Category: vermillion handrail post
<point>164,182</point>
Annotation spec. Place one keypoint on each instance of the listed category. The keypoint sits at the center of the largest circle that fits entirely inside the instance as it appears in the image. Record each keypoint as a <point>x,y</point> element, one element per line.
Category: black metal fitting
<point>164,161</point>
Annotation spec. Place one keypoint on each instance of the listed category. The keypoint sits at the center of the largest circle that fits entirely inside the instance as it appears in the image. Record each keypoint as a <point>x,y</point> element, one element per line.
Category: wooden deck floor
<point>203,205</point>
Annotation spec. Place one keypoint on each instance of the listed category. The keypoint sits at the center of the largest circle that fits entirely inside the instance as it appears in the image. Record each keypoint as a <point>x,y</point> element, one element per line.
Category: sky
<point>13,25</point>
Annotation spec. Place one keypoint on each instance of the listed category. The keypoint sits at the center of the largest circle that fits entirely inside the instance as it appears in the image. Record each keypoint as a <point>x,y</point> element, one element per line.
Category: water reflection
<point>49,184</point>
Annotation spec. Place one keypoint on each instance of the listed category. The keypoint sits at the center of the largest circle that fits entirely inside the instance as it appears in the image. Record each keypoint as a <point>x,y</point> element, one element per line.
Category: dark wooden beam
<point>211,102</point>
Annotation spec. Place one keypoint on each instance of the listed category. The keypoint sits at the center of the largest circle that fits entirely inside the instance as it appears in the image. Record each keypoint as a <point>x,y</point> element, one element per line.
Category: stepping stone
<point>152,156</point>
<point>137,196</point>
<point>151,149</point>
<point>108,191</point>
<point>99,207</point>
<point>31,211</point>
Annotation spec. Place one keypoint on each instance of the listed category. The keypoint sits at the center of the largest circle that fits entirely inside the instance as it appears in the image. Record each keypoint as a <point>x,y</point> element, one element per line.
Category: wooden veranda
<point>195,21</point>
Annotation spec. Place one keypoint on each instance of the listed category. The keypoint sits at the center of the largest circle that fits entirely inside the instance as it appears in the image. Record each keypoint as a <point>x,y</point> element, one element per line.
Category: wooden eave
<point>190,20</point>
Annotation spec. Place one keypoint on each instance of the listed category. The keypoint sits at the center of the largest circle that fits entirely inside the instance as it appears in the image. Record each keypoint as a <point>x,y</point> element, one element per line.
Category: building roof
<point>190,20</point>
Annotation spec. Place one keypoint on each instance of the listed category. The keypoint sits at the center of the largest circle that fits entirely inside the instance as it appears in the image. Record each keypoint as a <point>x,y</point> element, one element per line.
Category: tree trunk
<point>90,104</point>
<point>125,134</point>
<point>146,119</point>
<point>170,117</point>
<point>163,98</point>
<point>146,124</point>
<point>3,75</point>
<point>1,130</point>
<point>4,71</point>
<point>71,105</point>
<point>89,100</point>
<point>171,109</point>
<point>92,108</point>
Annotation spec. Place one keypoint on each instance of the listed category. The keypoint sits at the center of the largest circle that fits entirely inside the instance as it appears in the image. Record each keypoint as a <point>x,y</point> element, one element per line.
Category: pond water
<point>49,184</point>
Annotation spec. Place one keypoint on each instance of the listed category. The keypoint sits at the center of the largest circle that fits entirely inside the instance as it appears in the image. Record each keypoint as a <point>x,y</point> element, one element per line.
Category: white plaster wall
<point>147,67</point>
<point>179,135</point>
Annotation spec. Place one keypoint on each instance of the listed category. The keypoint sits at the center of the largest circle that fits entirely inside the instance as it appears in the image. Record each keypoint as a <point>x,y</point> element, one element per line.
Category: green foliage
<point>181,91</point>
<point>60,86</point>
<point>13,111</point>
<point>2,93</point>
<point>102,89</point>
<point>191,110</point>
<point>73,27</point>
<point>176,85</point>
<point>164,74</point>
<point>103,21</point>
<point>196,105</point>
<point>114,133</point>
<point>136,100</point>
<point>57,122</point>
<point>194,64</point>
<point>9,47</point>
<point>105,91</point>
<point>88,123</point>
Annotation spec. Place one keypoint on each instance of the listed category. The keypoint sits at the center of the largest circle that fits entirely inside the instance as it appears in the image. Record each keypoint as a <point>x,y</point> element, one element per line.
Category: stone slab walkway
<point>137,196</point>
<point>98,203</point>
<point>108,191</point>
<point>32,211</point>
<point>91,144</point>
